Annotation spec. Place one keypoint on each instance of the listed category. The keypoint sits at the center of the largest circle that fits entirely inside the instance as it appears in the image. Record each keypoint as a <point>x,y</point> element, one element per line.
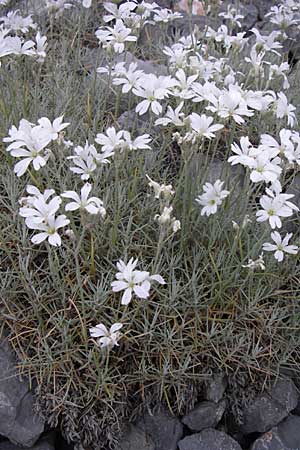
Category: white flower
<point>165,219</point>
<point>29,143</point>
<point>34,193</point>
<point>256,264</point>
<point>165,15</point>
<point>293,154</point>
<point>53,129</point>
<point>274,207</point>
<point>267,43</point>
<point>92,205</point>
<point>41,45</point>
<point>232,15</point>
<point>118,11</point>
<point>213,197</point>
<point>48,230</point>
<point>161,190</point>
<point>285,109</point>
<point>268,143</point>
<point>14,45</point>
<point>133,281</point>
<point>263,169</point>
<point>281,246</point>
<point>256,59</point>
<point>116,36</point>
<point>13,21</point>
<point>230,104</point>
<point>183,85</point>
<point>244,153</point>
<point>165,216</point>
<point>174,116</point>
<point>243,225</point>
<point>282,16</point>
<point>178,55</point>
<point>176,225</point>
<point>221,35</point>
<point>86,3</point>
<point>85,160</point>
<point>279,71</point>
<point>129,79</point>
<point>110,141</point>
<point>106,338</point>
<point>139,143</point>
<point>37,209</point>
<point>202,125</point>
<point>152,89</point>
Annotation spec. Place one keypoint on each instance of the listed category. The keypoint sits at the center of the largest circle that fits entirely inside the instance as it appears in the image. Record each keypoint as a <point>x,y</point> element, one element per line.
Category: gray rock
<point>285,436</point>
<point>289,432</point>
<point>205,415</point>
<point>269,441</point>
<point>215,387</point>
<point>185,25</point>
<point>264,6</point>
<point>286,393</point>
<point>294,90</point>
<point>135,439</point>
<point>45,443</point>
<point>133,122</point>
<point>18,421</point>
<point>251,16</point>
<point>96,57</point>
<point>207,170</point>
<point>209,440</point>
<point>248,10</point>
<point>270,408</point>
<point>165,430</point>
<point>292,225</point>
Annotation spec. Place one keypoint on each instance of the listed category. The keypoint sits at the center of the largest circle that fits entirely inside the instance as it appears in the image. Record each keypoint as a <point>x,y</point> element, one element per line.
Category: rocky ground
<point>271,421</point>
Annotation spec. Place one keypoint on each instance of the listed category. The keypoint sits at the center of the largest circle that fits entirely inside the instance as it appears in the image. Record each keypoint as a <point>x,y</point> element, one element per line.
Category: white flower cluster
<point>132,282</point>
<point>57,7</point>
<point>128,19</point>
<point>86,159</point>
<point>164,194</point>
<point>30,142</point>
<point>205,94</point>
<point>11,43</point>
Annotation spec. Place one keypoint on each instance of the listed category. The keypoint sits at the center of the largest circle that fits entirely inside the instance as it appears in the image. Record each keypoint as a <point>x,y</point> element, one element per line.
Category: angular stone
<point>215,387</point>
<point>205,415</point>
<point>45,443</point>
<point>286,393</point>
<point>135,439</point>
<point>164,429</point>
<point>209,439</point>
<point>270,408</point>
<point>289,432</point>
<point>268,441</point>
<point>18,421</point>
<point>285,436</point>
